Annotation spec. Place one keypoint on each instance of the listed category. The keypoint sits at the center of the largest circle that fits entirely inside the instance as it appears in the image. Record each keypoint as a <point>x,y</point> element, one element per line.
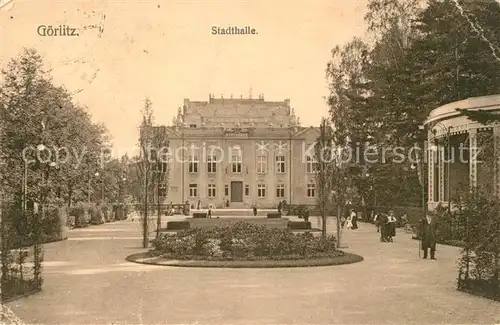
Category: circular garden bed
<point>243,245</point>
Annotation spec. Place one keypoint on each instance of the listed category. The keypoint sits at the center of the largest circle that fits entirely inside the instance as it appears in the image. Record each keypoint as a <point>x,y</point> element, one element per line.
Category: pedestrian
<point>210,213</point>
<point>428,229</point>
<point>279,207</point>
<point>254,210</point>
<point>354,219</point>
<point>382,220</point>
<point>349,222</point>
<point>342,222</point>
<point>404,219</point>
<point>391,226</point>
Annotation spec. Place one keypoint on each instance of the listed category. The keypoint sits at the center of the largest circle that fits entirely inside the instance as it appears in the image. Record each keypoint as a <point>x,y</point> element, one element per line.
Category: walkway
<point>87,281</point>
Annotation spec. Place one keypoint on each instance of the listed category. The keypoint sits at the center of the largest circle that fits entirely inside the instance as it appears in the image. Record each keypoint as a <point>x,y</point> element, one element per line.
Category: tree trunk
<point>338,225</point>
<point>158,218</point>
<point>70,196</point>
<point>323,220</point>
<point>145,241</point>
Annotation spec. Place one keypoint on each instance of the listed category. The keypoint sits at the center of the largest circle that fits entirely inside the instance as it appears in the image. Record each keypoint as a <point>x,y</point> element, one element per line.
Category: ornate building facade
<point>462,153</point>
<point>240,152</point>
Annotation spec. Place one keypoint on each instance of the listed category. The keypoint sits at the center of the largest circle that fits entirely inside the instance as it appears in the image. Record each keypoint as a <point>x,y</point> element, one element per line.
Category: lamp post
<point>121,183</point>
<point>421,170</point>
<point>102,185</point>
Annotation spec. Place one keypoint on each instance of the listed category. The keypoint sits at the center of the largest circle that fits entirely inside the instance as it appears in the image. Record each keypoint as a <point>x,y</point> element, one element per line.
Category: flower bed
<point>243,241</point>
<point>151,259</point>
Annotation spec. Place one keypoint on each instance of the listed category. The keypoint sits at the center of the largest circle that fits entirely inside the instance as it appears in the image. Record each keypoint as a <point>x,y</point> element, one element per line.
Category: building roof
<point>485,103</point>
<point>207,132</point>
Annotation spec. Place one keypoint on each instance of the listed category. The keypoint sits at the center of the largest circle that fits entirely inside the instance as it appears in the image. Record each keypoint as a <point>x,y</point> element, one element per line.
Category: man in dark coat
<point>428,229</point>
<point>382,219</point>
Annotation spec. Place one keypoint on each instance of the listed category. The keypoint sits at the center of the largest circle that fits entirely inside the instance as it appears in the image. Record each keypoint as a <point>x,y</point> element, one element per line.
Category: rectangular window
<point>247,190</point>
<point>261,190</point>
<point>163,167</point>
<point>162,190</point>
<point>236,160</point>
<point>152,155</point>
<point>280,164</point>
<point>311,190</point>
<point>193,164</point>
<point>192,125</point>
<point>211,190</point>
<point>226,190</point>
<point>280,191</point>
<point>193,190</point>
<point>211,164</point>
<point>261,164</point>
<point>311,165</point>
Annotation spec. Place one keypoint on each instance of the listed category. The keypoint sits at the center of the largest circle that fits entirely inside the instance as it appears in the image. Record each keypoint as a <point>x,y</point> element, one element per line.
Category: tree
<point>145,166</point>
<point>34,112</point>
<point>421,58</point>
<point>323,162</point>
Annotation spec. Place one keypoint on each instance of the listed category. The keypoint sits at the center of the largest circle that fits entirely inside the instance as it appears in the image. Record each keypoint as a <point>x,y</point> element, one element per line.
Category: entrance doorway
<point>236,191</point>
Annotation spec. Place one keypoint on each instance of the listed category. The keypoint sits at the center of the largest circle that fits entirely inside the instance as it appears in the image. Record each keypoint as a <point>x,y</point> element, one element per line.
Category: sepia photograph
<point>249,162</point>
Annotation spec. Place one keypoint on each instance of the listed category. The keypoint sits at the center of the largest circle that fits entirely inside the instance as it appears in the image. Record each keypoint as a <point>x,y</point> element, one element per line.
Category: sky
<point>129,49</point>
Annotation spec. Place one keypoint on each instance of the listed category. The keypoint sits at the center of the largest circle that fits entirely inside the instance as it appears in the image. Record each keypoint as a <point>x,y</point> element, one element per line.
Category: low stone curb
<point>145,258</point>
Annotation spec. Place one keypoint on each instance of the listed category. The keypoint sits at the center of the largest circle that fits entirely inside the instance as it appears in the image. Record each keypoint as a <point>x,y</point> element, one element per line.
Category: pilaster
<point>430,174</point>
<point>496,142</point>
<point>473,158</point>
<point>440,158</point>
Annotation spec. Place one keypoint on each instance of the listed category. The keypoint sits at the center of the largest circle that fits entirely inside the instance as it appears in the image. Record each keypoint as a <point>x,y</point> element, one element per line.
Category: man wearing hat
<point>428,229</point>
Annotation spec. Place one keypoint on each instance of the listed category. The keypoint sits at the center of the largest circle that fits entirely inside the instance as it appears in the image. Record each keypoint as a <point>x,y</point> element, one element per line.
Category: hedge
<point>199,214</point>
<point>274,215</point>
<point>303,225</point>
<point>177,225</point>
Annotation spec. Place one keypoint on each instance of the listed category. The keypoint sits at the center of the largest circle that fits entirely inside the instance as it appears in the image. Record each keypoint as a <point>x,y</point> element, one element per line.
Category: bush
<point>107,213</point>
<point>81,214</point>
<point>243,241</point>
<point>121,211</point>
<point>479,265</point>
<point>274,215</point>
<point>299,225</point>
<point>199,215</point>
<point>96,216</point>
<point>177,225</point>
<point>52,223</point>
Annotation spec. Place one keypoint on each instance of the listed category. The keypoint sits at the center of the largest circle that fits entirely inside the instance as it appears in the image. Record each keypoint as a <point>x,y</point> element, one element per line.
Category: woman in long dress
<point>354,219</point>
<point>349,222</point>
<point>391,226</point>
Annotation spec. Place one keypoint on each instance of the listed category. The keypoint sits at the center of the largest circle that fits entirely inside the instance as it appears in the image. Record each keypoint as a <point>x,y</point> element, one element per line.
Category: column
<point>472,158</point>
<point>440,159</point>
<point>496,142</point>
<point>430,169</point>
<point>202,174</point>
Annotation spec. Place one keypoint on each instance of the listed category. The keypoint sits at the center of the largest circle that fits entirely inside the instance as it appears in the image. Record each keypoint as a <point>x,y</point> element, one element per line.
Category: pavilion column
<point>496,143</point>
<point>440,158</point>
<point>430,169</point>
<point>472,158</point>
